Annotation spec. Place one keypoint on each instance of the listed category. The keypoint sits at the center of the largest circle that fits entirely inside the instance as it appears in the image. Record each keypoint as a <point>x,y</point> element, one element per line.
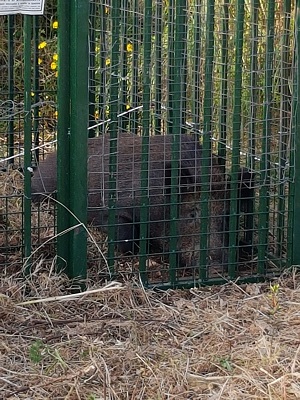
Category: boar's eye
<point>193,214</point>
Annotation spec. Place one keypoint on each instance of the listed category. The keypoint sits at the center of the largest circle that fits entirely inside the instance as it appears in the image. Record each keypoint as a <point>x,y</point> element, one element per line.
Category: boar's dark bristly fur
<point>128,194</point>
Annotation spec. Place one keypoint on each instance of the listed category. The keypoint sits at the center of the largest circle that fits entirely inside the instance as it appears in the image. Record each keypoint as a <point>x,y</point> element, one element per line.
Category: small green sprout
<point>274,296</point>
<point>225,363</point>
<point>36,351</point>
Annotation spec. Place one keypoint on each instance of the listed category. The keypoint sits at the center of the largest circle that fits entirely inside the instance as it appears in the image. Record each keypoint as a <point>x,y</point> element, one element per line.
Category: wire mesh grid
<point>222,71</point>
<point>42,113</point>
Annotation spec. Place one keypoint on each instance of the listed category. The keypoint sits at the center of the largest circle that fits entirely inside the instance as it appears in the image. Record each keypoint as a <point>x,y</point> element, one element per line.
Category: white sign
<point>30,7</point>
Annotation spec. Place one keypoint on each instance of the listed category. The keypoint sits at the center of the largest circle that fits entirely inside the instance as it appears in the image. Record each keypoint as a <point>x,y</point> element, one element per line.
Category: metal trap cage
<point>176,138</point>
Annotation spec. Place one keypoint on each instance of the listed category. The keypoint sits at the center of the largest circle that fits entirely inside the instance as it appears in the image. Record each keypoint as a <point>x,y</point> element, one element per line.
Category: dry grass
<point>226,342</point>
<point>122,342</point>
<point>11,222</point>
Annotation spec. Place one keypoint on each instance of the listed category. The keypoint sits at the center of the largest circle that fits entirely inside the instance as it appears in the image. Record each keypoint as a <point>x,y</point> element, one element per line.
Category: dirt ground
<point>119,341</point>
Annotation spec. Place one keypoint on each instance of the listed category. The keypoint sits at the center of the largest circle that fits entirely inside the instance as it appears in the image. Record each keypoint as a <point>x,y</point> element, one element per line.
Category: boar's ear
<point>186,179</point>
<point>246,183</point>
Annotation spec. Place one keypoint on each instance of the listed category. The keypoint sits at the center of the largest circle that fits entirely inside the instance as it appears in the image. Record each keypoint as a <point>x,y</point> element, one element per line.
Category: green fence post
<point>295,158</point>
<point>197,76</point>
<point>158,66</point>
<point>135,76</point>
<point>79,57</point>
<point>124,93</point>
<point>170,92</point>
<point>27,141</point>
<point>101,88</point>
<point>254,93</point>
<point>207,127</point>
<point>113,127</point>
<point>264,195</point>
<point>144,210</point>
<point>36,88</point>
<point>92,69</point>
<point>236,137</point>
<point>179,107</point>
<point>285,127</point>
<point>63,137</point>
<point>11,83</point>
<point>224,85</point>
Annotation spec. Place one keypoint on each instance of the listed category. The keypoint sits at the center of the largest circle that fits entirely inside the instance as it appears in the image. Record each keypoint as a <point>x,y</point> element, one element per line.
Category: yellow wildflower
<point>42,45</point>
<point>96,114</point>
<point>40,61</point>
<point>32,94</point>
<point>55,24</point>
<point>53,65</point>
<point>55,57</point>
<point>129,47</point>
<point>55,114</point>
<point>127,106</point>
<point>56,74</point>
<point>107,61</point>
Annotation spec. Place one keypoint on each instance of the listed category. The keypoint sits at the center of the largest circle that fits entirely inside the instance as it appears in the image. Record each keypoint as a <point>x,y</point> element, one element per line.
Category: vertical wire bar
<point>36,86</point>
<point>124,64</point>
<point>135,68</point>
<point>78,135</point>
<point>253,80</point>
<point>171,33</point>
<point>179,100</point>
<point>11,89</point>
<point>224,85</point>
<point>158,66</point>
<point>181,37</point>
<point>284,128</point>
<point>92,67</point>
<point>114,108</point>
<point>27,142</point>
<point>264,201</point>
<point>196,93</point>
<point>6,232</point>
<point>207,128</point>
<point>103,38</point>
<point>145,201</point>
<point>236,137</point>
<point>295,160</point>
<point>249,217</point>
<point>63,135</point>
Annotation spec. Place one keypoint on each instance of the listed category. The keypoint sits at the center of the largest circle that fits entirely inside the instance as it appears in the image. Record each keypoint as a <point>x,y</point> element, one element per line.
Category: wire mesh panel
<point>28,75</point>
<point>218,72</point>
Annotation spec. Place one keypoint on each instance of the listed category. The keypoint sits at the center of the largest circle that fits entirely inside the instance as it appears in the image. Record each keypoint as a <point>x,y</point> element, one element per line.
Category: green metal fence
<point>28,103</point>
<point>205,188</point>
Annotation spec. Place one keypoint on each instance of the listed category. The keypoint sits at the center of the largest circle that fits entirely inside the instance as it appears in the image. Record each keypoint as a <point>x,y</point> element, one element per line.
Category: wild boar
<point>128,194</point>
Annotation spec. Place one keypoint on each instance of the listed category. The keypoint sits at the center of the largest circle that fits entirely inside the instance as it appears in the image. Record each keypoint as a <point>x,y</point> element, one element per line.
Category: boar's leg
<point>246,188</point>
<point>245,205</point>
<point>127,229</point>
<point>127,235</point>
